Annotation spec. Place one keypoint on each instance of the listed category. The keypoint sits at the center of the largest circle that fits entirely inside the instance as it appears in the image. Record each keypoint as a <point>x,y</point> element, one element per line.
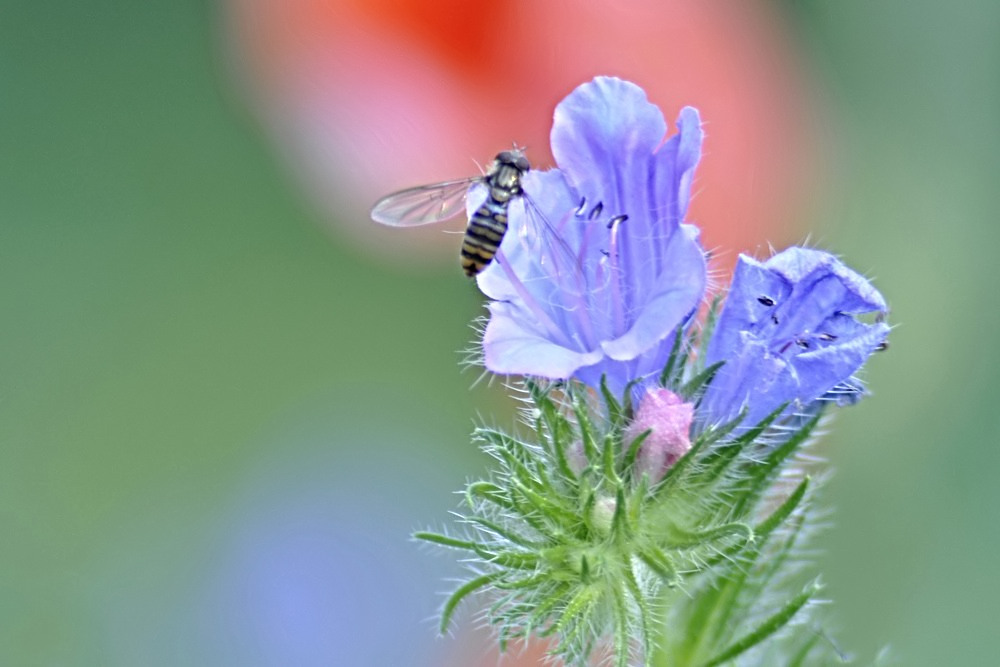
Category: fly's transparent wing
<point>423,204</point>
<point>544,251</point>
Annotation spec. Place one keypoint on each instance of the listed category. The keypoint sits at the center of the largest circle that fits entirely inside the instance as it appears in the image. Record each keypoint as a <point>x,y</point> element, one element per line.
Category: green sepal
<point>609,450</point>
<point>707,329</point>
<point>628,461</point>
<point>619,521</point>
<point>627,407</point>
<point>671,374</point>
<point>659,563</point>
<point>719,460</point>
<point>616,415</point>
<point>693,387</point>
<point>680,470</point>
<point>556,426</point>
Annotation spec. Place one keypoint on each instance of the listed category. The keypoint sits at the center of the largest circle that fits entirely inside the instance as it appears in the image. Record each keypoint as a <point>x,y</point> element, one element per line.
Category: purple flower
<point>597,269</point>
<point>788,333</point>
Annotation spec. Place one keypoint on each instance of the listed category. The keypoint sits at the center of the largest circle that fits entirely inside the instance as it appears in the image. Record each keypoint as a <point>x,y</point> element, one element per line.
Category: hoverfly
<point>427,204</point>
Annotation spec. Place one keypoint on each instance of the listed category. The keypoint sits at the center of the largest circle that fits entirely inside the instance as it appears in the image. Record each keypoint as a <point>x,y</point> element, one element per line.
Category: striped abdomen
<point>489,223</point>
<point>483,235</point>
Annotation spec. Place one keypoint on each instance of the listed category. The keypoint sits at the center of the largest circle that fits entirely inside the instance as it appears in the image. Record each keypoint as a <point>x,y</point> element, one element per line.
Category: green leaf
<point>762,531</point>
<point>760,475</point>
<point>640,600</point>
<point>577,608</point>
<point>800,657</point>
<point>619,610</point>
<point>546,605</point>
<point>513,560</point>
<point>460,594</point>
<point>550,508</point>
<point>682,539</point>
<point>778,516</point>
<point>527,582</point>
<point>446,541</point>
<point>771,625</point>
<point>740,579</point>
<point>505,533</point>
<point>489,492</point>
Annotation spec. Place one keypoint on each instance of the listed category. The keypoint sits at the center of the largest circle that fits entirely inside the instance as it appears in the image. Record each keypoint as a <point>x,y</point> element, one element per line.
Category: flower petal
<point>511,346</point>
<point>787,334</point>
<point>596,270</point>
<point>603,138</point>
<point>675,295</point>
<point>676,162</point>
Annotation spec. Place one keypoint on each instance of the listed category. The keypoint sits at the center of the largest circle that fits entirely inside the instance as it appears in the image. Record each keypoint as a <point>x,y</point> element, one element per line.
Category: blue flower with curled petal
<point>598,269</point>
<point>788,333</point>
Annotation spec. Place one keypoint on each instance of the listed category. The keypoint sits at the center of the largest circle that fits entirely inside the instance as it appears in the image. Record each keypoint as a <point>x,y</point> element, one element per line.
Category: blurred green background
<point>219,422</point>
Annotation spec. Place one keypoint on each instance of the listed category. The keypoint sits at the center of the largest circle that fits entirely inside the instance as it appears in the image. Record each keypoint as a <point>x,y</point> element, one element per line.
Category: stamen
<point>596,211</point>
<point>581,298</point>
<point>553,331</point>
<point>618,219</point>
<point>582,208</point>
<point>617,297</point>
<point>766,300</point>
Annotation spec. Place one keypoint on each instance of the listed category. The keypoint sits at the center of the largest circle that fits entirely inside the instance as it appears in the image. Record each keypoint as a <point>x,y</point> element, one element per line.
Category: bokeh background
<point>226,398</point>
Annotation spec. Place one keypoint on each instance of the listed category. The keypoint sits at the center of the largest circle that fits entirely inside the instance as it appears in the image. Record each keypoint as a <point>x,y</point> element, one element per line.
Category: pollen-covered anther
<point>668,419</point>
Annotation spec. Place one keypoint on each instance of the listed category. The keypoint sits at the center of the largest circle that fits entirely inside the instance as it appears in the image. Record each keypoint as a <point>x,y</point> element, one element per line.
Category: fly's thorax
<point>502,195</point>
<point>504,182</point>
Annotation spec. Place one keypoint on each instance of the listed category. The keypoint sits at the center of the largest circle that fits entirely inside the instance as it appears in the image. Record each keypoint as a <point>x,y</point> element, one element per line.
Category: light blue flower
<point>598,268</point>
<point>788,333</point>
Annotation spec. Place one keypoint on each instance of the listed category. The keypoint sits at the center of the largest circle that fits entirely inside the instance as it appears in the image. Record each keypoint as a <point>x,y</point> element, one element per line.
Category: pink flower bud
<point>669,418</point>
